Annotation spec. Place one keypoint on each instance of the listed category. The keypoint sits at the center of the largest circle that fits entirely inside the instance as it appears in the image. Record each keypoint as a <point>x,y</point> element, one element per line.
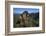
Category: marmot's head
<point>25,12</point>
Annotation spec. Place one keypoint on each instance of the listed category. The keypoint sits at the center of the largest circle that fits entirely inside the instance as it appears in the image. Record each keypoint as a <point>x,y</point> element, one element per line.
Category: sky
<point>21,10</point>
